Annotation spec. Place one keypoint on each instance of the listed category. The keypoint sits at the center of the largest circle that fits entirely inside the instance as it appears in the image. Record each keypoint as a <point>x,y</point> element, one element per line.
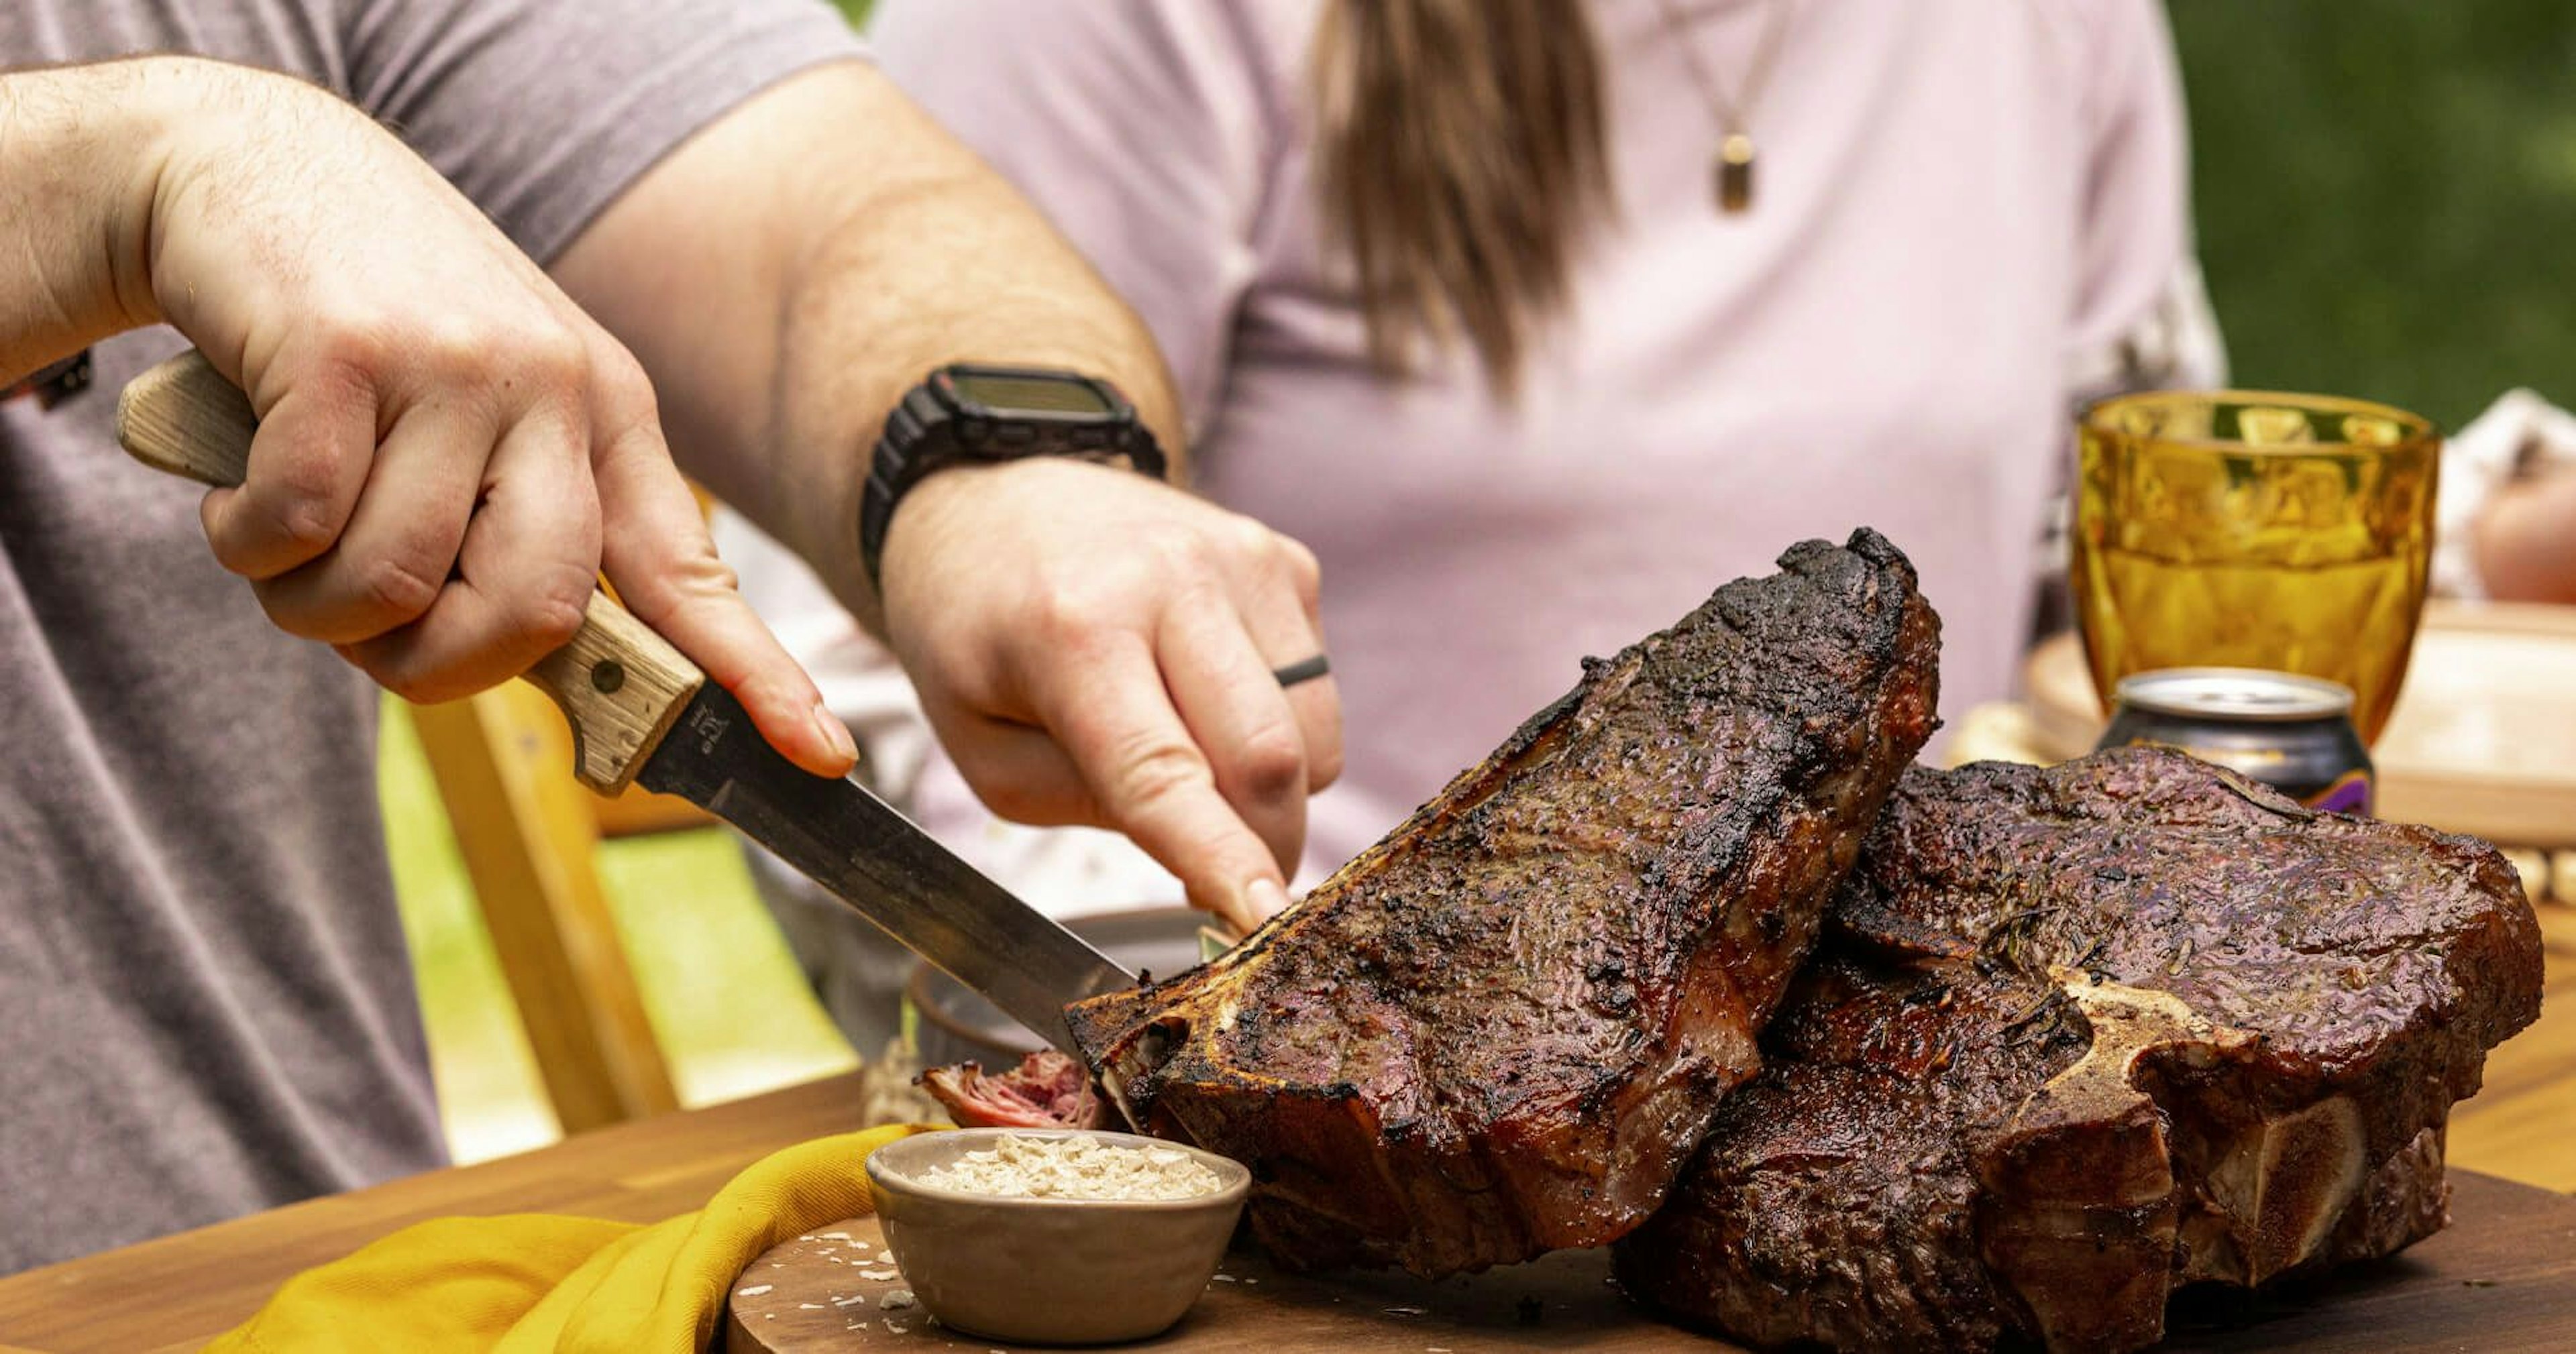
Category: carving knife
<point>640,712</point>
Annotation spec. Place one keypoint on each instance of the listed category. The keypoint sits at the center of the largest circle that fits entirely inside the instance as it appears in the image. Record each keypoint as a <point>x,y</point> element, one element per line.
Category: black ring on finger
<point>1305,671</point>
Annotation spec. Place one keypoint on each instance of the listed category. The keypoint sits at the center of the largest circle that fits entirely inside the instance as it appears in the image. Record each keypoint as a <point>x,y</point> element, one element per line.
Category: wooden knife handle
<point>620,685</point>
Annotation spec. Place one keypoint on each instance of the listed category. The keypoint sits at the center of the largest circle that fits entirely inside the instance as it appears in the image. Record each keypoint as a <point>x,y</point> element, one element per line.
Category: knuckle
<point>402,584</point>
<point>1070,613</point>
<point>453,347</point>
<point>548,620</point>
<point>554,359</point>
<point>517,360</point>
<point>296,512</point>
<point>1152,769</point>
<point>539,604</point>
<point>1251,540</point>
<point>1270,763</point>
<point>1305,573</point>
<point>1176,550</point>
<point>358,347</point>
<point>623,385</point>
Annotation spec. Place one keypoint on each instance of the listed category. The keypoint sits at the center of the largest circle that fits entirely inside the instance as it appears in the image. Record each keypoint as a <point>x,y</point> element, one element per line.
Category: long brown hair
<point>1463,153</point>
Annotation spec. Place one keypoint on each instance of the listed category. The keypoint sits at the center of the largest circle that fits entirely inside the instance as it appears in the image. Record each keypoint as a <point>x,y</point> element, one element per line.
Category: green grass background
<point>2387,194</point>
<point>2387,203</point>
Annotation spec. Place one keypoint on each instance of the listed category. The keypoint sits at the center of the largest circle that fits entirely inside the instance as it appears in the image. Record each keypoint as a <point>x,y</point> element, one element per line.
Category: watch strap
<point>921,437</point>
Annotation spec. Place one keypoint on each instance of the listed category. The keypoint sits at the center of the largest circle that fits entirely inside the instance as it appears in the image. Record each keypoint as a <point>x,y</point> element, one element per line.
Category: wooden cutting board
<point>2503,1276</point>
<point>2483,740</point>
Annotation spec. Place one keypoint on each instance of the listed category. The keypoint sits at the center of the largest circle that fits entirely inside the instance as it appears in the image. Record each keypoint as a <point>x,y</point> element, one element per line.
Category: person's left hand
<point>1097,648</point>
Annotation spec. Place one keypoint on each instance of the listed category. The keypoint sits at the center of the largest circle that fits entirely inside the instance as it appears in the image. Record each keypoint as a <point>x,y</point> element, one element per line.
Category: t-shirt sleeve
<point>543,111</point>
<point>1144,129</point>
<point>2135,243</point>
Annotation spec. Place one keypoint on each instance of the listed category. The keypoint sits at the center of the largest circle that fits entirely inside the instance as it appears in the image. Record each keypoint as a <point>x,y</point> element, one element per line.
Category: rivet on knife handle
<point>619,684</point>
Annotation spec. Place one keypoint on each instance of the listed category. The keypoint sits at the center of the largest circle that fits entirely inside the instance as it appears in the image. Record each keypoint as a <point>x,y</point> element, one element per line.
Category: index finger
<point>1109,709</point>
<point>655,548</point>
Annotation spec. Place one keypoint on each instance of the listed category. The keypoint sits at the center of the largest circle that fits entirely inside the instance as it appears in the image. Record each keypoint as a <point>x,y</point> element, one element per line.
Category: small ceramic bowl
<point>1050,1271</point>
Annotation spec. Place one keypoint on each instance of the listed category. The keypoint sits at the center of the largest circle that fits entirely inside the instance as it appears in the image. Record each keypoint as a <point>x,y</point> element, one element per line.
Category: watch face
<point>1011,394</point>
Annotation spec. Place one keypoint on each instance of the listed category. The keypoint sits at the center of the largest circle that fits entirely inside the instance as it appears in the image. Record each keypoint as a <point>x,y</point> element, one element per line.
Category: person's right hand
<point>449,450</point>
<point>1093,647</point>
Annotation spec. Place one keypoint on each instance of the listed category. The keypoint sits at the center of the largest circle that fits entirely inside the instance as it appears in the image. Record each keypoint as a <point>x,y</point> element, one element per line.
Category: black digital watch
<point>969,413</point>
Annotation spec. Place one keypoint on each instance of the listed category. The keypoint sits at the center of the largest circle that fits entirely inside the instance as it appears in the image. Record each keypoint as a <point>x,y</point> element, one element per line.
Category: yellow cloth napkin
<point>528,1283</point>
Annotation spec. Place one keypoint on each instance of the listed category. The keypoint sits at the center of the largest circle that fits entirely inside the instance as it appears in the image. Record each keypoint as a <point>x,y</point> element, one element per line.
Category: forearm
<point>951,268</point>
<point>79,150</point>
<point>2526,541</point>
<point>789,273</point>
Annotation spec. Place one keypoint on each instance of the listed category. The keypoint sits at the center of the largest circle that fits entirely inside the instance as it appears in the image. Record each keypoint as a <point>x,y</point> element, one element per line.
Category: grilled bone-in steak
<point>2081,1035</point>
<point>1504,1028</point>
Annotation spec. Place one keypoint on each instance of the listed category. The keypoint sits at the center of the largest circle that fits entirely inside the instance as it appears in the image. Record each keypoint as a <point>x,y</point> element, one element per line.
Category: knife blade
<point>889,871</point>
<point>641,712</point>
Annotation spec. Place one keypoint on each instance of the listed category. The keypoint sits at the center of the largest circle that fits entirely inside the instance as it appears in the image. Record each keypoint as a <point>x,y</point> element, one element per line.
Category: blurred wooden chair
<point>530,836</point>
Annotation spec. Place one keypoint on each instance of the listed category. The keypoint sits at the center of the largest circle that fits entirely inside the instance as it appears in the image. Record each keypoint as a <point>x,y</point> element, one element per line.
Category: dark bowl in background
<point>947,1024</point>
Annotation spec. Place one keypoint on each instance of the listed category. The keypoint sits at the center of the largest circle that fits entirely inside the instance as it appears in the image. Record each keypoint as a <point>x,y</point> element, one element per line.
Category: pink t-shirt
<point>1956,198</point>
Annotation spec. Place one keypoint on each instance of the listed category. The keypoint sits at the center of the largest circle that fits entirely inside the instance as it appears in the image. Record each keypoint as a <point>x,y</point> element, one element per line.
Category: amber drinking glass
<point>2255,530</point>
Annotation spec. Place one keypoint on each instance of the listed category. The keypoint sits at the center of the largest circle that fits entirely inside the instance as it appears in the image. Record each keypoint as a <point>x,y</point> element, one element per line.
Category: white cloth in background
<point>2519,434</point>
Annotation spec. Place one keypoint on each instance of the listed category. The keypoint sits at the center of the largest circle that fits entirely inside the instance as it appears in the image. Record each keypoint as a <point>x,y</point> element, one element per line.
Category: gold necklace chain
<point>1733,170</point>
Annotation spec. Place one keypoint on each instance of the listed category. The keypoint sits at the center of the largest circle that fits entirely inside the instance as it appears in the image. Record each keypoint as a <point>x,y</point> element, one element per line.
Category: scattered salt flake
<point>809,1306</point>
<point>896,1300</point>
<point>1252,1281</point>
<point>880,1274</point>
<point>1408,1311</point>
<point>837,1236</point>
<point>851,1300</point>
<point>1225,1278</point>
<point>752,1292</point>
<point>894,1328</point>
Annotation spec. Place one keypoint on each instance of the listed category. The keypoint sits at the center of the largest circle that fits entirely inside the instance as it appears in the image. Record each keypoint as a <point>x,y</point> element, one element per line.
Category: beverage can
<point>2290,732</point>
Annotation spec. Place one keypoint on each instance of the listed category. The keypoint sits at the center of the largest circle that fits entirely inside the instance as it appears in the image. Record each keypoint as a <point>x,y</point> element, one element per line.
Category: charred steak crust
<point>2231,1032</point>
<point>1504,1028</point>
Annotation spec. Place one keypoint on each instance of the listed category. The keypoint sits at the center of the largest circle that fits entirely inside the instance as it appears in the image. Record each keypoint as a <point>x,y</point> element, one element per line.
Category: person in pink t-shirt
<point>1536,322</point>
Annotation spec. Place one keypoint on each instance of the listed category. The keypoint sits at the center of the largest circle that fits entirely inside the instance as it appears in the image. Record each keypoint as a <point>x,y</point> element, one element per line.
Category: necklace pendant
<point>1735,174</point>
